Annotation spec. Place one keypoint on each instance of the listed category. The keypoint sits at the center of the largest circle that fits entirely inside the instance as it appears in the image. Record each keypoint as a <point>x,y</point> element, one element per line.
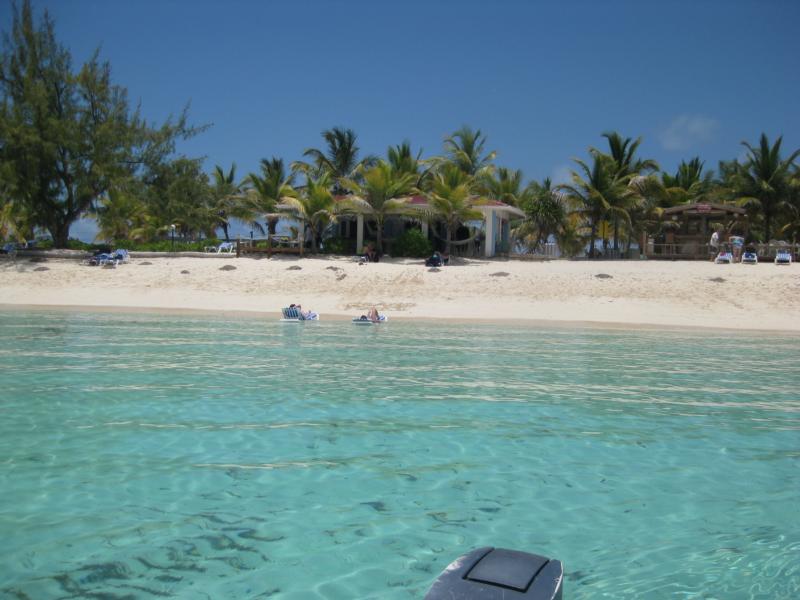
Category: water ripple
<point>154,456</point>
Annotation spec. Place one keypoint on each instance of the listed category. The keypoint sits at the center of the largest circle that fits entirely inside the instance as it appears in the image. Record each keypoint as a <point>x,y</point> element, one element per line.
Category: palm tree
<point>504,185</point>
<point>314,207</point>
<point>451,199</point>
<point>623,152</point>
<point>764,181</point>
<point>15,220</point>
<point>546,213</point>
<point>228,201</point>
<point>178,192</point>
<point>402,160</point>
<point>118,214</point>
<point>339,160</point>
<point>596,191</point>
<point>465,148</point>
<point>689,184</point>
<point>270,187</point>
<point>379,193</point>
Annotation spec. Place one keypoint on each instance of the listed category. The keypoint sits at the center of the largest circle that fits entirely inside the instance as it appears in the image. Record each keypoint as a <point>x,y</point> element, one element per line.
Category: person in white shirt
<point>713,245</point>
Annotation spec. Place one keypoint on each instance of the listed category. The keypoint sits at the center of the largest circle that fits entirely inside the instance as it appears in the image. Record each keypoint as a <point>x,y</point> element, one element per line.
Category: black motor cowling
<point>498,574</point>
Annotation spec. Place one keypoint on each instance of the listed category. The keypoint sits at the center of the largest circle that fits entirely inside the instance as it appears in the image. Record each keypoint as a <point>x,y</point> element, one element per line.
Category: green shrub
<point>151,246</point>
<point>165,245</point>
<point>412,243</point>
<point>71,244</point>
<point>338,245</point>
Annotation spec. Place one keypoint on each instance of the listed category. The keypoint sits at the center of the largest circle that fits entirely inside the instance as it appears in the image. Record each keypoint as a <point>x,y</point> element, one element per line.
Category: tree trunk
<point>225,230</point>
<point>379,236</point>
<point>60,232</point>
<point>313,239</point>
<point>616,233</point>
<point>593,236</point>
<point>272,225</point>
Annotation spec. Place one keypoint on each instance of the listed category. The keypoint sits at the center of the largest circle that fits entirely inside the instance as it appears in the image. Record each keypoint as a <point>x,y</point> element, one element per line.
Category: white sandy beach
<point>630,293</point>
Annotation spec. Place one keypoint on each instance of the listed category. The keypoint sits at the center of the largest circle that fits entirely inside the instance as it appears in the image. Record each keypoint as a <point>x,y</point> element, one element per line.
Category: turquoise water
<point>151,456</point>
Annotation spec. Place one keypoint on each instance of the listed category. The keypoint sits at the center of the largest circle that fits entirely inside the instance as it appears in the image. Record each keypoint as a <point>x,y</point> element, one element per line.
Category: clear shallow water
<point>197,457</point>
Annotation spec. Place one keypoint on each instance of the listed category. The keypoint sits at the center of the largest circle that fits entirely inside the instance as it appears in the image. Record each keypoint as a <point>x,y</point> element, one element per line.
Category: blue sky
<point>542,80</point>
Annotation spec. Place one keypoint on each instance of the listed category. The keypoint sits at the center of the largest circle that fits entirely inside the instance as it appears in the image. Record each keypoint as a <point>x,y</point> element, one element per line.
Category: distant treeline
<point>71,146</point>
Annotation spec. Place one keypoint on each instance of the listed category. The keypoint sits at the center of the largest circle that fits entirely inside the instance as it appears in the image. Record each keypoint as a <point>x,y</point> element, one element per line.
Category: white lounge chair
<point>724,258</point>
<point>749,257</point>
<point>223,248</point>
<point>121,255</point>
<point>783,257</point>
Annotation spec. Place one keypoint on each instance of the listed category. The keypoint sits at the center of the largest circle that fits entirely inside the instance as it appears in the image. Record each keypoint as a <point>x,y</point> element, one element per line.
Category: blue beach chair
<point>783,257</point>
<point>293,314</point>
<point>724,258</point>
<point>103,259</point>
<point>749,257</point>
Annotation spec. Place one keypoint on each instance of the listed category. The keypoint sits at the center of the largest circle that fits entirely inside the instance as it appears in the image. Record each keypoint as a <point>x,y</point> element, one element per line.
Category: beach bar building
<point>686,229</point>
<point>493,231</point>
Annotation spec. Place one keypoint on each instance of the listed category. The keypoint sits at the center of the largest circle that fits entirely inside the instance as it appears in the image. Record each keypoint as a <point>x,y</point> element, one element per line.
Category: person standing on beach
<point>713,245</point>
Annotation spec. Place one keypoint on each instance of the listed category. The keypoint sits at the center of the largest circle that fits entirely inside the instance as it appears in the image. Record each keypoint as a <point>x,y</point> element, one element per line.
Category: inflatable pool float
<point>366,321</point>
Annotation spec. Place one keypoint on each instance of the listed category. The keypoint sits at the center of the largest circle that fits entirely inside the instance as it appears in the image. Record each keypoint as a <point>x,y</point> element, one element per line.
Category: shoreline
<point>629,294</point>
<point>274,316</point>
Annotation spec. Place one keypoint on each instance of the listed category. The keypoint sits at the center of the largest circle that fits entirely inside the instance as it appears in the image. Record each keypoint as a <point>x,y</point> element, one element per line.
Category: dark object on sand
<point>604,276</point>
<point>227,268</point>
<point>434,261</point>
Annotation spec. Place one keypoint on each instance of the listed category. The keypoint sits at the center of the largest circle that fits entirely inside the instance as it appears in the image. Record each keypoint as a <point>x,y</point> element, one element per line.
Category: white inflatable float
<point>366,321</point>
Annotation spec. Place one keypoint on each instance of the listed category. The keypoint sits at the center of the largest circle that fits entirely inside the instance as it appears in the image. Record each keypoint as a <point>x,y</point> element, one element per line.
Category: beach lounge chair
<point>749,257</point>
<point>103,259</point>
<point>292,314</point>
<point>783,257</point>
<point>223,248</point>
<point>121,255</point>
<point>724,258</point>
<point>11,250</point>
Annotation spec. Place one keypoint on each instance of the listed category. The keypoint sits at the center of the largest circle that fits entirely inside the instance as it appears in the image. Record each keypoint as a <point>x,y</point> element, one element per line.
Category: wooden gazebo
<point>687,229</point>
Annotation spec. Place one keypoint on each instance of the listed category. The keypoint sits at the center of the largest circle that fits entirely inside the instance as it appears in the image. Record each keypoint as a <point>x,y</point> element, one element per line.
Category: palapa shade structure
<point>691,227</point>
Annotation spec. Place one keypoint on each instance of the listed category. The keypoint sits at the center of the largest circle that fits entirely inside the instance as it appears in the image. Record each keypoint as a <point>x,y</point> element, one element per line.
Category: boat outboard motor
<point>497,574</point>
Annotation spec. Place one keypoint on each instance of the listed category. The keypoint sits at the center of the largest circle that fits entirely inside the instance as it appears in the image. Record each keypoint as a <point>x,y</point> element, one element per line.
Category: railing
<point>695,251</point>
